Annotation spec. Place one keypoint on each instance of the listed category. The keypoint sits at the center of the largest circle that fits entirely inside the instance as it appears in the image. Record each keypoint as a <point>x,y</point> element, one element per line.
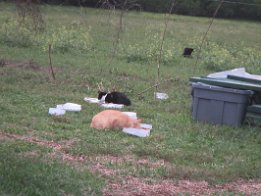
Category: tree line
<point>234,9</point>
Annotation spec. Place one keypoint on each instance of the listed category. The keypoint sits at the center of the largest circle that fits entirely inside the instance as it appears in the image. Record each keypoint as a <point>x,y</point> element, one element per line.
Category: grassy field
<point>49,155</point>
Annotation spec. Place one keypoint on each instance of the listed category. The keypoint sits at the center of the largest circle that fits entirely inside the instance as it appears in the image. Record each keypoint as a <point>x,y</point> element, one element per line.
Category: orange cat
<point>109,119</point>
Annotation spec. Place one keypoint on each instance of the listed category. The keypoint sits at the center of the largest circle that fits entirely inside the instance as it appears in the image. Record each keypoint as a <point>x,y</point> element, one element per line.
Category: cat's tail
<point>127,102</point>
<point>92,125</point>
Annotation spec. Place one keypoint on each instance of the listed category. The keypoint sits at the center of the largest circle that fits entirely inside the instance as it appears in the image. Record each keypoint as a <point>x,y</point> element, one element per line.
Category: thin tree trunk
<point>161,45</point>
<point>205,35</point>
<point>50,62</point>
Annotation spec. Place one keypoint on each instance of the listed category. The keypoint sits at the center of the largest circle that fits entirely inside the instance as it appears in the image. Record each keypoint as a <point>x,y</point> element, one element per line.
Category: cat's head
<point>135,123</point>
<point>101,94</point>
<point>109,98</point>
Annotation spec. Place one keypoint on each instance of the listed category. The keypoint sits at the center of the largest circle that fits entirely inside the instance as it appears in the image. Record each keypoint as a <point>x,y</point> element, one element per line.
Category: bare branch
<point>162,42</point>
<point>205,35</point>
<point>50,62</point>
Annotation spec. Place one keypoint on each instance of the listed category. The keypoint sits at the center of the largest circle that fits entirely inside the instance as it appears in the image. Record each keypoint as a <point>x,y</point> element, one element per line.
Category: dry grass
<point>129,185</point>
<point>136,186</point>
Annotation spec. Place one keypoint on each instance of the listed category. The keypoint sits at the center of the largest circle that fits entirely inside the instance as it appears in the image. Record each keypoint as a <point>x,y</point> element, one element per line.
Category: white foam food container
<point>131,114</point>
<point>72,107</point>
<point>146,126</point>
<point>144,131</point>
<point>56,111</point>
<point>91,100</point>
<point>162,96</point>
<point>112,105</point>
<point>137,131</point>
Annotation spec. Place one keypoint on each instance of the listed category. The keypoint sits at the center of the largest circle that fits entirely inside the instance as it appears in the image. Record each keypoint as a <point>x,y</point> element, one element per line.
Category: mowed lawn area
<point>41,154</point>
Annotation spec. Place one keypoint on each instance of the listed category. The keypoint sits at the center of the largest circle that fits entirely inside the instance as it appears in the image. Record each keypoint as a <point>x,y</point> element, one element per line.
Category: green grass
<point>25,175</point>
<point>196,151</point>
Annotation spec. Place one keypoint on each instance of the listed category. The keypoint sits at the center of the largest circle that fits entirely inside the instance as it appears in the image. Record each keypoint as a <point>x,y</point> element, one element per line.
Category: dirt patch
<point>30,65</point>
<point>31,139</point>
<point>15,64</point>
<point>131,186</point>
<point>126,185</point>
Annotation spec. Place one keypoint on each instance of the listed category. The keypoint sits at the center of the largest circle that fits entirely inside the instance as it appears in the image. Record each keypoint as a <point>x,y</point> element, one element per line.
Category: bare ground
<point>127,185</point>
<point>29,65</point>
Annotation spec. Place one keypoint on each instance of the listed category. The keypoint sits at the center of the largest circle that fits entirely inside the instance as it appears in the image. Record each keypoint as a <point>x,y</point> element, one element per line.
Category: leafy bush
<point>64,39</point>
<point>61,38</point>
<point>14,34</point>
<point>250,58</point>
<point>216,57</point>
<point>149,49</point>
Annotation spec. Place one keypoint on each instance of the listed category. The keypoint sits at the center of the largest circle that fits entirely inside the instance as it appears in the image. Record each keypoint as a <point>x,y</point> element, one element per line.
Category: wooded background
<point>234,9</point>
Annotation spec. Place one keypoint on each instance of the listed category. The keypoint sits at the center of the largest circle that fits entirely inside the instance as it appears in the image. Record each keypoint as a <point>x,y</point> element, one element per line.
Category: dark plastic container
<point>218,105</point>
<point>253,115</point>
<point>253,119</point>
<point>254,109</point>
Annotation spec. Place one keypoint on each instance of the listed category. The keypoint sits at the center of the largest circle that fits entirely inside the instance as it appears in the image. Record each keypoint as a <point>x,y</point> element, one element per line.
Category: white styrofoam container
<point>56,111</point>
<point>112,105</point>
<point>162,96</point>
<point>137,132</point>
<point>91,100</point>
<point>60,106</point>
<point>131,114</point>
<point>146,126</point>
<point>72,107</point>
<point>144,131</point>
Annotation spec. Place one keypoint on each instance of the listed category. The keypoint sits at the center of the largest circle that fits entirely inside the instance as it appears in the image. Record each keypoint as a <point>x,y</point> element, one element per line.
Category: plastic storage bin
<point>253,115</point>
<point>218,105</point>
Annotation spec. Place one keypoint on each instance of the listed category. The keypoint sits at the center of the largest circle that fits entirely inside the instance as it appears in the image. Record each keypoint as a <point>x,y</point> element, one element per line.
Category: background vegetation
<point>37,149</point>
<point>238,9</point>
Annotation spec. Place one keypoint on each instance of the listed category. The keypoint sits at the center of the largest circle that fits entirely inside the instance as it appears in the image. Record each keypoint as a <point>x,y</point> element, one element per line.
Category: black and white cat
<point>114,97</point>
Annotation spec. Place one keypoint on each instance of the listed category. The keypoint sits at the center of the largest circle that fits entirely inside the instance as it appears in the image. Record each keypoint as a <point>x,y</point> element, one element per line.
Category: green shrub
<point>149,49</point>
<point>215,57</point>
<point>13,33</point>
<point>249,58</point>
<point>61,38</point>
<point>64,39</point>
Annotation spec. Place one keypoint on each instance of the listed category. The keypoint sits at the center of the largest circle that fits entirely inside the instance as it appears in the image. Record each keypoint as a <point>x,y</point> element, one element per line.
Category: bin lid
<point>254,109</point>
<point>229,83</point>
<point>244,79</point>
<point>219,88</point>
